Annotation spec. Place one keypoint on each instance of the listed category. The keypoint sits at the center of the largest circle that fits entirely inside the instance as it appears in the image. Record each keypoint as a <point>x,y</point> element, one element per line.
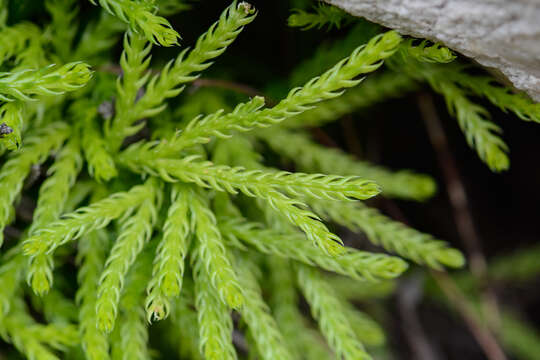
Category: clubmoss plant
<point>179,218</point>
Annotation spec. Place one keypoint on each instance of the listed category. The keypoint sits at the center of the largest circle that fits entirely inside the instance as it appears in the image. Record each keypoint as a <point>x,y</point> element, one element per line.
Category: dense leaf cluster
<point>180,216</point>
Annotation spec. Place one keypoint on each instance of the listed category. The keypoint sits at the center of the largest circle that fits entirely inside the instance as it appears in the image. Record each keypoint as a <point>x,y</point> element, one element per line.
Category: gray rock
<point>503,34</point>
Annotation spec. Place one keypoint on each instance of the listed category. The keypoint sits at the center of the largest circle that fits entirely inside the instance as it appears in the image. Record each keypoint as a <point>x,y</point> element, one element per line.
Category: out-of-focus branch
<point>482,334</point>
<point>461,210</point>
<point>454,186</point>
<point>229,85</point>
<point>409,294</point>
<point>460,205</point>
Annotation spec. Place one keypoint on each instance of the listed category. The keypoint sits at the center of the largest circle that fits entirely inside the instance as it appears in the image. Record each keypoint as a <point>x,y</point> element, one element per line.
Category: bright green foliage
<point>134,234</point>
<point>215,322</point>
<point>343,75</point>
<point>33,56</point>
<point>473,120</point>
<point>184,317</point>
<point>305,220</point>
<point>56,307</point>
<point>459,80</point>
<point>392,235</point>
<point>199,130</point>
<point>124,140</point>
<point>3,13</point>
<point>95,216</point>
<point>141,17</point>
<point>309,222</point>
<point>168,269</point>
<point>203,101</point>
<point>455,85</point>
<point>34,340</point>
<point>245,117</point>
<point>50,80</point>
<point>98,37</point>
<point>54,192</point>
<point>362,290</point>
<point>256,313</point>
<point>91,259</point>
<point>78,193</point>
<point>310,156</point>
<point>353,263</point>
<point>214,254</point>
<point>63,26</point>
<point>373,90</point>
<point>427,52</point>
<point>290,209</point>
<point>23,44</point>
<point>366,329</point>
<point>329,313</point>
<point>185,68</point>
<point>264,185</point>
<point>253,182</point>
<point>11,276</point>
<point>101,164</point>
<point>16,38</point>
<point>323,15</point>
<point>91,256</point>
<point>134,61</point>
<point>301,340</point>
<point>11,115</point>
<point>36,149</point>
<point>51,200</point>
<point>133,332</point>
<point>504,98</point>
<point>330,52</point>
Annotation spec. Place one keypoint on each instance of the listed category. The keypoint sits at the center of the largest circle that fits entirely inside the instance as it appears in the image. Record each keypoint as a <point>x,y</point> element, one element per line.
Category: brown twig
<point>351,136</point>
<point>229,85</point>
<point>12,232</point>
<point>482,334</point>
<point>460,209</point>
<point>460,205</point>
<point>202,82</point>
<point>454,185</point>
<point>409,294</point>
<point>322,137</point>
<point>317,133</point>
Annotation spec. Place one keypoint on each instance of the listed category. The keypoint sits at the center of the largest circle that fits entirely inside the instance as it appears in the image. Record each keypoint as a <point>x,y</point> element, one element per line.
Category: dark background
<point>504,206</point>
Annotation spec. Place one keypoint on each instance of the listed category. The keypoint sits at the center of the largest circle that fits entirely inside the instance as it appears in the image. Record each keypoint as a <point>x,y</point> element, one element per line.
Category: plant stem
<point>461,211</point>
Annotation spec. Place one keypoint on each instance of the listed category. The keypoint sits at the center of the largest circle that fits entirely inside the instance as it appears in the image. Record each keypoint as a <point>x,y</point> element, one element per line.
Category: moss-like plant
<point>178,218</point>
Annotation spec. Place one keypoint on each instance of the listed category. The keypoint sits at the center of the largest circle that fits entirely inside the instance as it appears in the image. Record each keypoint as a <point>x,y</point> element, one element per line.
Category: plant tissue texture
<point>168,200</point>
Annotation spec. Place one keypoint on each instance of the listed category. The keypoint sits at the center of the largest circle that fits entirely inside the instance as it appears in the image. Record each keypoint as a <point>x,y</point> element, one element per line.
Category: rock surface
<point>504,34</point>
